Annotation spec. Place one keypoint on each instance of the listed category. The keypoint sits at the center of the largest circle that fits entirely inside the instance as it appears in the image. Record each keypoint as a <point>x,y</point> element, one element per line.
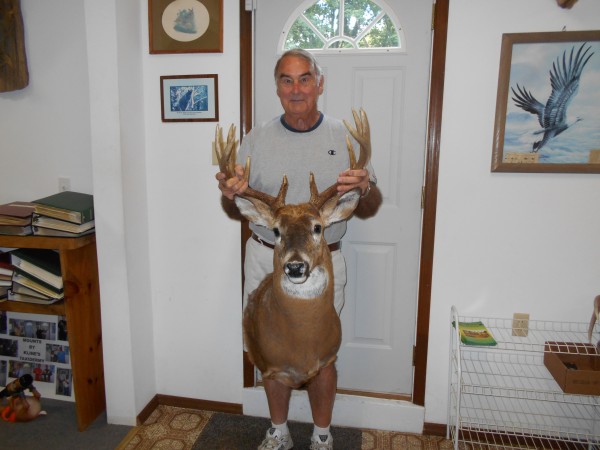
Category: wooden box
<point>574,366</point>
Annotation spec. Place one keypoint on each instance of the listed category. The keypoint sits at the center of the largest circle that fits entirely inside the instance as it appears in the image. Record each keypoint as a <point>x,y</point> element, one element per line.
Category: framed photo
<point>185,26</point>
<point>189,98</point>
<point>548,103</point>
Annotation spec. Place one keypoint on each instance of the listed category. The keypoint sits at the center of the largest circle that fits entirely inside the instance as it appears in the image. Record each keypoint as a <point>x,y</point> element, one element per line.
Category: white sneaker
<point>275,440</point>
<point>321,442</point>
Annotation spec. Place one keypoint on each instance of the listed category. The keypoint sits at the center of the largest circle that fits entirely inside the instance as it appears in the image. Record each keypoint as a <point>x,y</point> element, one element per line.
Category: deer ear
<point>256,211</point>
<point>339,208</point>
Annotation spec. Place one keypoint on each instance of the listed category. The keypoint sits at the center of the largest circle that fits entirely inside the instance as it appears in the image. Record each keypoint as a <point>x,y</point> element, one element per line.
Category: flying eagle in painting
<point>564,79</point>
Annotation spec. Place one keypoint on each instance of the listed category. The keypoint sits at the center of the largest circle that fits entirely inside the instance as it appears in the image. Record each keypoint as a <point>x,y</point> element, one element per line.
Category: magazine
<point>475,333</point>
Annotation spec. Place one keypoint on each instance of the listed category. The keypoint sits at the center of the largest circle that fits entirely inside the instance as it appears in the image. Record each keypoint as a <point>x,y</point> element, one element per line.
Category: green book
<point>71,206</point>
<point>43,264</point>
<point>38,285</point>
<point>475,333</point>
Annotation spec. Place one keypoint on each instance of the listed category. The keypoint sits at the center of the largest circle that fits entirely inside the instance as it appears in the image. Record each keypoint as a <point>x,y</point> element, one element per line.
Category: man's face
<point>298,88</point>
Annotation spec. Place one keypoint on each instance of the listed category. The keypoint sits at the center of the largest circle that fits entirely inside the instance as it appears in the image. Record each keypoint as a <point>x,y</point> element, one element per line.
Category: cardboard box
<point>574,366</point>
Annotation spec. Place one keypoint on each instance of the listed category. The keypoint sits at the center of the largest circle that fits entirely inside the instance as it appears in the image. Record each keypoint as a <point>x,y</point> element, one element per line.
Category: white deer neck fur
<point>313,287</point>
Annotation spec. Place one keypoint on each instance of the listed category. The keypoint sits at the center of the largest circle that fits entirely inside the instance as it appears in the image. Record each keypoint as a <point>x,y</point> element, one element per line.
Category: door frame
<point>434,127</point>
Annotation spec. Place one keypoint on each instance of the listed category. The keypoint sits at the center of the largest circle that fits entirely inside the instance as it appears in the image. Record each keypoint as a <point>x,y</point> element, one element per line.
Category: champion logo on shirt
<point>331,152</point>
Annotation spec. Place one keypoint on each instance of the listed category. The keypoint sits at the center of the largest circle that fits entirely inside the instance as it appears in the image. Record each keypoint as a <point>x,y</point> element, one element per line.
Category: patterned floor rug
<point>188,429</point>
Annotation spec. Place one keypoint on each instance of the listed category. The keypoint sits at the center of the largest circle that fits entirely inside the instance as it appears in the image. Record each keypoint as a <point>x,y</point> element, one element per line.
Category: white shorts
<point>259,262</point>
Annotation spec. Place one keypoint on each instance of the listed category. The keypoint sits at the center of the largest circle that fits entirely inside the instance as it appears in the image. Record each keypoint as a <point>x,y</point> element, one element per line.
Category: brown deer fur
<point>292,330</point>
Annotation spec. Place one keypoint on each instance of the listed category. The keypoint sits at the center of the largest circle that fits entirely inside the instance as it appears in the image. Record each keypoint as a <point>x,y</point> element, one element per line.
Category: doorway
<point>430,175</point>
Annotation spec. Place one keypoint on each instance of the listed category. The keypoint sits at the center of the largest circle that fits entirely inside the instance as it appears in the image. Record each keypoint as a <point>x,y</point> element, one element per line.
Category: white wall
<point>169,259</point>
<point>45,128</point>
<point>504,243</point>
<point>113,31</point>
<point>195,248</point>
<point>166,249</point>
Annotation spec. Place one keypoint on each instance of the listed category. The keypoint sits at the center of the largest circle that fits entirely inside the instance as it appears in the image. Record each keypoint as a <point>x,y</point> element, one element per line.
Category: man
<point>301,141</point>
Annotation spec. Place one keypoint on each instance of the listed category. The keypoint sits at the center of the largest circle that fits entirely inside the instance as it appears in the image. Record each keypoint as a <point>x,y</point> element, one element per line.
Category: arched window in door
<point>343,25</point>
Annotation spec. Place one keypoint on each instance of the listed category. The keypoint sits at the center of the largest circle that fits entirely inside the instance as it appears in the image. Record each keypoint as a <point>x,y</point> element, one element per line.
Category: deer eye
<point>276,231</point>
<point>317,229</point>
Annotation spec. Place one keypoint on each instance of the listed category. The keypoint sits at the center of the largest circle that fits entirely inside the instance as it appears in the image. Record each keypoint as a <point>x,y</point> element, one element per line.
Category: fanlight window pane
<point>341,44</point>
<point>383,34</point>
<point>347,24</point>
<point>302,36</point>
<point>324,16</point>
<point>358,15</point>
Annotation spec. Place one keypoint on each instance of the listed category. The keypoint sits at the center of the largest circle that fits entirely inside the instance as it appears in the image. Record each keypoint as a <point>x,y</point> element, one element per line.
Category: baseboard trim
<point>145,413</point>
<point>434,429</point>
<point>189,403</point>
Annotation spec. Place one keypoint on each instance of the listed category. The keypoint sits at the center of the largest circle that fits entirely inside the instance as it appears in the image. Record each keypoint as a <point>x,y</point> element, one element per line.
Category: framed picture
<point>185,26</point>
<point>548,103</point>
<point>189,98</point>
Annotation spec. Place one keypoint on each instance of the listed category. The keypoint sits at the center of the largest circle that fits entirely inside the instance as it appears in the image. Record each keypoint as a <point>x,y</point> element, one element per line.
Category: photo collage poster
<point>36,344</point>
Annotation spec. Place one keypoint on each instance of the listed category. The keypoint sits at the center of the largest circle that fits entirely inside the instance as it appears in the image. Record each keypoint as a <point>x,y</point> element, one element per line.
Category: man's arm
<point>231,209</point>
<point>371,197</point>
<point>229,188</point>
<point>369,202</point>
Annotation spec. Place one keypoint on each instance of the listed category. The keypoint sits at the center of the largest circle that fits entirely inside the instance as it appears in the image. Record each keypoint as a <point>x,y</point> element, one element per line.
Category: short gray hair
<point>303,54</point>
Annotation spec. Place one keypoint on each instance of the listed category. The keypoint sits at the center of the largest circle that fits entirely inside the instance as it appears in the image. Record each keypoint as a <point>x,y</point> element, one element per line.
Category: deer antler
<point>227,156</point>
<point>226,149</point>
<point>362,134</point>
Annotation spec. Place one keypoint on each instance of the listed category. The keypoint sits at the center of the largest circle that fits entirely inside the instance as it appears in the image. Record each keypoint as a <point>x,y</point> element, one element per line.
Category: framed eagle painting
<point>548,103</point>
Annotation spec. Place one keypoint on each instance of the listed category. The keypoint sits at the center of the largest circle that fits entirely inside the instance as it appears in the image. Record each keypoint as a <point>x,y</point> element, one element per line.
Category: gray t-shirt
<point>276,150</point>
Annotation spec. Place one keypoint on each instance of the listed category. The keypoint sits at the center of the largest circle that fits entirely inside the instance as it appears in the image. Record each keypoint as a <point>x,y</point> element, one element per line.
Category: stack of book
<point>15,218</point>
<point>6,274</point>
<point>66,214</point>
<point>37,277</point>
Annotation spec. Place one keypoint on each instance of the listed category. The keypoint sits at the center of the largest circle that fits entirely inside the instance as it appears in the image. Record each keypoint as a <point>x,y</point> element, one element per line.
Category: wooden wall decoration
<point>566,3</point>
<point>13,60</point>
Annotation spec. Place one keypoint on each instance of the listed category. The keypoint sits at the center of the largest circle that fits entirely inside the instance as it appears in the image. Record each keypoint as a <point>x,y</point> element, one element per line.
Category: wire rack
<point>504,397</point>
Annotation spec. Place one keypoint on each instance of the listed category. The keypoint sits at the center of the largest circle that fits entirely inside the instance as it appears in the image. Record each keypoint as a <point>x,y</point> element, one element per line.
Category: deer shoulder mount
<point>291,328</point>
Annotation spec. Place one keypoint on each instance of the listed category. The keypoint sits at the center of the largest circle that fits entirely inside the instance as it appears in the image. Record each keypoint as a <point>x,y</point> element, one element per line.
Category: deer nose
<point>296,269</point>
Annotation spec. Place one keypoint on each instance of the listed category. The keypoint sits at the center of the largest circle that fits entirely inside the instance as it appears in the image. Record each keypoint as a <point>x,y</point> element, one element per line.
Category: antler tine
<point>279,201</point>
<point>362,134</point>
<point>273,202</point>
<point>314,192</point>
<point>351,154</point>
<point>328,193</point>
<point>319,199</point>
<point>226,150</point>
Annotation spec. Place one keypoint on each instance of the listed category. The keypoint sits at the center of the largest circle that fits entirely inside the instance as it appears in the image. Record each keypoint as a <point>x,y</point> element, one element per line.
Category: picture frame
<point>548,103</point>
<point>189,98</point>
<point>185,26</point>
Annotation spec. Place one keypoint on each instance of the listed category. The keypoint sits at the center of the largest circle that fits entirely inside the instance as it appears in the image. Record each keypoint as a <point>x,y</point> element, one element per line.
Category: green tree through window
<point>335,24</point>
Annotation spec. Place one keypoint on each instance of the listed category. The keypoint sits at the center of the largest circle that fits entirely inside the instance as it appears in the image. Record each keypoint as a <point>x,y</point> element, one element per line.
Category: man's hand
<point>351,179</point>
<point>234,185</point>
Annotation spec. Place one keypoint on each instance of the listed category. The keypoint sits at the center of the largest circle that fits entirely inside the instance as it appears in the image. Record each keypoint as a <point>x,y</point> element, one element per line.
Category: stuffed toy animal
<point>22,408</point>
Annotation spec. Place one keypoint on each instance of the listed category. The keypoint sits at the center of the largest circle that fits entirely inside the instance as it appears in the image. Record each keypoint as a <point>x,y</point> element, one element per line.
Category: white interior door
<point>382,253</point>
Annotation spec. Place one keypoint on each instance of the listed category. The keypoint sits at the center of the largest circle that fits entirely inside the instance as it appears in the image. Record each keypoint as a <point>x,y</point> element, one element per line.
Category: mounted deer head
<point>291,328</point>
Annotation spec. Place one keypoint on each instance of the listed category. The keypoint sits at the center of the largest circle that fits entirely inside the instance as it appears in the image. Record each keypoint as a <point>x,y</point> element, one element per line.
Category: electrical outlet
<point>520,324</point>
<point>64,184</point>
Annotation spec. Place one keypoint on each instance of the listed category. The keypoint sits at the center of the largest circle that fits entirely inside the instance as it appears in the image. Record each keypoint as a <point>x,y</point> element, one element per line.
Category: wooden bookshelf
<point>81,306</point>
